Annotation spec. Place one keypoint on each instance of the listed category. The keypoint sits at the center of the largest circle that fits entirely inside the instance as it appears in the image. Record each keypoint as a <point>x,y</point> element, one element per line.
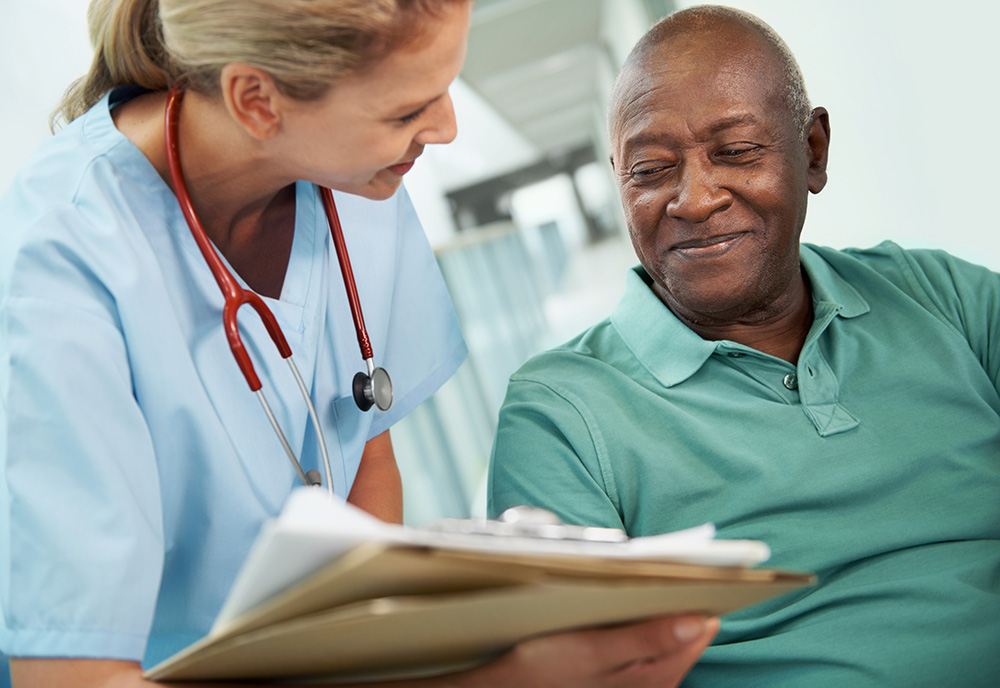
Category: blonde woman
<point>137,466</point>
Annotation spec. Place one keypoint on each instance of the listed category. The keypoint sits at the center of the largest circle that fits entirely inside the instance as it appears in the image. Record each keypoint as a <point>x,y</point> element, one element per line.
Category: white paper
<point>313,530</point>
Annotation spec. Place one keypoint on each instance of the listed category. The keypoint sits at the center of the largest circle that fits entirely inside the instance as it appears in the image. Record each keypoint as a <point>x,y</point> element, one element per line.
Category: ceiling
<point>535,62</point>
<point>546,66</point>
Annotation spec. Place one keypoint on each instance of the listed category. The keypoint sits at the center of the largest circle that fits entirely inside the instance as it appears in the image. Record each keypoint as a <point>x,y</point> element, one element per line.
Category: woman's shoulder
<point>75,198</point>
<point>60,166</point>
<point>89,168</point>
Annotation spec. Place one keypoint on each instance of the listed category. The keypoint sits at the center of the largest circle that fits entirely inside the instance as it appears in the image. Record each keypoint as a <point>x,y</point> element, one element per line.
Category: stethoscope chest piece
<point>373,388</point>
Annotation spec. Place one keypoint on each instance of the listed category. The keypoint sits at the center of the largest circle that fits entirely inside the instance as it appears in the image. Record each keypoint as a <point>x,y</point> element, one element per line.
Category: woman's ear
<point>252,99</point>
<point>818,148</point>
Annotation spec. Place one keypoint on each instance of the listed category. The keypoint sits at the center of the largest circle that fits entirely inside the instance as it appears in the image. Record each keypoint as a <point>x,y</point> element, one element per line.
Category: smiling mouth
<point>704,247</point>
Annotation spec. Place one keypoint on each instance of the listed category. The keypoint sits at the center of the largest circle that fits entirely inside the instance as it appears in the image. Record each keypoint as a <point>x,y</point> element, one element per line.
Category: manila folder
<point>391,611</point>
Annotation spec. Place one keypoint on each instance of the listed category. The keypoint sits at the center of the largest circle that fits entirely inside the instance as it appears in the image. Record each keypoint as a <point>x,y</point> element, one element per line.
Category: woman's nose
<point>441,125</point>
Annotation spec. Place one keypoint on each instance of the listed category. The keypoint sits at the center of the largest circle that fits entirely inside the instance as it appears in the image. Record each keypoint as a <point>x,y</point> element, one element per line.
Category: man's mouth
<point>705,247</point>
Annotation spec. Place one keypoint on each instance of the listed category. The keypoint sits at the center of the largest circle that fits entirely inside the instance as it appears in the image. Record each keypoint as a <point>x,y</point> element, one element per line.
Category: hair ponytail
<point>128,49</point>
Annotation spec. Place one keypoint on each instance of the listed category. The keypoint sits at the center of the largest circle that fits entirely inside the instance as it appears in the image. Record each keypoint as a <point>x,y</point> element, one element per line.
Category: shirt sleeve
<point>973,303</point>
<point>80,516</point>
<point>408,313</point>
<point>424,343</point>
<point>549,452</point>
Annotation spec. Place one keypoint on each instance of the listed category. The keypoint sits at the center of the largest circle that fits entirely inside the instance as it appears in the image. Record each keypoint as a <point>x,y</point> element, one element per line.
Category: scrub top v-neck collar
<point>302,262</point>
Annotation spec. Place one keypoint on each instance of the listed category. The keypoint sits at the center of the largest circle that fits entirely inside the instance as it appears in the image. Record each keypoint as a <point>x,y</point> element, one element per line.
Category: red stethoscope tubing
<point>235,295</point>
<point>345,269</point>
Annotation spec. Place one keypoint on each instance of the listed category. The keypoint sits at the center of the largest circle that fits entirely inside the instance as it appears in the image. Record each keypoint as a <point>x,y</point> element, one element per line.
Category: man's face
<point>714,177</point>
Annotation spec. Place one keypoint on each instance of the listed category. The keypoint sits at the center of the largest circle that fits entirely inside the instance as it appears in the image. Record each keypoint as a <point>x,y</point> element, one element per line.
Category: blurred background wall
<point>522,210</point>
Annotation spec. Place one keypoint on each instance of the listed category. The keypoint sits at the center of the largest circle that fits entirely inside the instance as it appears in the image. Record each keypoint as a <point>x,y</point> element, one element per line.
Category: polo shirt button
<point>736,354</point>
<point>791,381</point>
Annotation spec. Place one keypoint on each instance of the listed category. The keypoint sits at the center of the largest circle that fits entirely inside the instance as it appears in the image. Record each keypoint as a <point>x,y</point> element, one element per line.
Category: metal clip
<point>528,521</point>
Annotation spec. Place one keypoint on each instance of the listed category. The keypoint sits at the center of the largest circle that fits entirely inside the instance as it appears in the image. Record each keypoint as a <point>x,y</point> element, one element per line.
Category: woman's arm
<point>656,653</point>
<point>377,487</point>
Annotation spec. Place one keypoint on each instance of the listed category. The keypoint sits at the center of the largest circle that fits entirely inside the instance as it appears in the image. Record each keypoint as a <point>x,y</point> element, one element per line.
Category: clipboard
<point>390,609</point>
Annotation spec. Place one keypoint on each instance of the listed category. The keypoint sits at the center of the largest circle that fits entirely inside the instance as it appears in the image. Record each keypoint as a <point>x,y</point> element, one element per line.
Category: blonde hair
<point>305,45</point>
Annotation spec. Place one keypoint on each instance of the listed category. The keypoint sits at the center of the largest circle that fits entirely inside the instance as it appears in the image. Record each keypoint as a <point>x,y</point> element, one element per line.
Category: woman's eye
<point>406,119</point>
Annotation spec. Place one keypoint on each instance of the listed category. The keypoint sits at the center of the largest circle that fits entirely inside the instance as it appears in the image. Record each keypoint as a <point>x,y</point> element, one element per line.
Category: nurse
<point>137,467</point>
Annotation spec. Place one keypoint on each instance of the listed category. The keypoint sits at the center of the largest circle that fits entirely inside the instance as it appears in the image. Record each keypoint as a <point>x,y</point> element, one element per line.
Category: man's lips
<point>708,246</point>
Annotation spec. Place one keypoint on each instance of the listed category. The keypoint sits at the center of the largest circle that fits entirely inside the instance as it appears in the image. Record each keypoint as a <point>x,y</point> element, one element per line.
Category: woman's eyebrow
<point>404,110</point>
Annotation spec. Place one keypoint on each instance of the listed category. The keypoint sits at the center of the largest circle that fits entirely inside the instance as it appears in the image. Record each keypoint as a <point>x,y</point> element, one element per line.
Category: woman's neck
<point>248,214</point>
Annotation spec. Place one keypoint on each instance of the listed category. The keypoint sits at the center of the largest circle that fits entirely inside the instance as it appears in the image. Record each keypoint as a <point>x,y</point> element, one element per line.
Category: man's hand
<point>650,653</point>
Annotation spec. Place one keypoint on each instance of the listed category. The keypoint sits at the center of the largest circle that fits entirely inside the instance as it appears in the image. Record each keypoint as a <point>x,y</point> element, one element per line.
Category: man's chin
<point>711,303</point>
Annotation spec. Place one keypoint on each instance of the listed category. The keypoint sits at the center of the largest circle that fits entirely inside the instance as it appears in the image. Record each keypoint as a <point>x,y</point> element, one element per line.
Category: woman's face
<point>366,133</point>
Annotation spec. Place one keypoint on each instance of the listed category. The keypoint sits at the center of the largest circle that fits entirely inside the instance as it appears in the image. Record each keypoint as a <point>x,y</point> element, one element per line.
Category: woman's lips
<point>402,168</point>
<point>708,247</point>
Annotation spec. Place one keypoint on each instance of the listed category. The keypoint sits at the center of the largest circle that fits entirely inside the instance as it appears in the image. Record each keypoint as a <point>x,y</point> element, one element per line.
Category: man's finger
<point>649,640</point>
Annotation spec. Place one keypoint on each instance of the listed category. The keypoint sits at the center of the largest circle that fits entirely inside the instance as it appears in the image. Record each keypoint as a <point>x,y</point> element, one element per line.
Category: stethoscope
<point>373,388</point>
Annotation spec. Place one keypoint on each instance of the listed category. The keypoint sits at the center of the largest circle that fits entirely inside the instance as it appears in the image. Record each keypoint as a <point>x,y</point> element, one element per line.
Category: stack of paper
<point>330,592</point>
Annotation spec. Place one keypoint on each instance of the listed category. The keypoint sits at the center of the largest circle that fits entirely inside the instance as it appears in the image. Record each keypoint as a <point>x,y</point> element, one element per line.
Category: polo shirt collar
<point>828,287</point>
<point>672,352</point>
<point>665,346</point>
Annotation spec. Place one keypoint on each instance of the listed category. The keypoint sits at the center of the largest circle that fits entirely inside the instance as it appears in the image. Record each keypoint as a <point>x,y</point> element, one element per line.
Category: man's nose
<point>698,193</point>
<point>441,125</point>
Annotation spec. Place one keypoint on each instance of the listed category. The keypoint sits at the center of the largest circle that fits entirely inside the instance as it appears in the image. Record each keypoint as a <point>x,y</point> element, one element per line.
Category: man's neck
<point>779,330</point>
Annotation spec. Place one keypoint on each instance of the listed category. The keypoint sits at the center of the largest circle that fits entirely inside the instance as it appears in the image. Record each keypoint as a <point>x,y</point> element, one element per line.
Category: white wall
<point>912,90</point>
<point>43,47</point>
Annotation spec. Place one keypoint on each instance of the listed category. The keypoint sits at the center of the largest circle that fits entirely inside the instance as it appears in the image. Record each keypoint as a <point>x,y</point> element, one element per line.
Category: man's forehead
<point>715,83</point>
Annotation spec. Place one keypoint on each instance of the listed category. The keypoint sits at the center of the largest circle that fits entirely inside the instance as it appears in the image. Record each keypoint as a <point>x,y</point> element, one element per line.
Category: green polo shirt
<point>874,463</point>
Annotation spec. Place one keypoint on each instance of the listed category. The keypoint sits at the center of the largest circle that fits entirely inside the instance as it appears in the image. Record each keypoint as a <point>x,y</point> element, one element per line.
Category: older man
<point>842,406</point>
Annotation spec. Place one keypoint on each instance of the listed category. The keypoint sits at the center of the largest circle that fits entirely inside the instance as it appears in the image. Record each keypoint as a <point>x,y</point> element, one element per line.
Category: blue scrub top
<point>137,465</point>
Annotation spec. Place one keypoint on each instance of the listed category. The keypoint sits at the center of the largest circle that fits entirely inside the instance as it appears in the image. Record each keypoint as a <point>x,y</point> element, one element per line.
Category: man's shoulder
<point>886,251</point>
<point>950,288</point>
<point>911,269</point>
<point>596,347</point>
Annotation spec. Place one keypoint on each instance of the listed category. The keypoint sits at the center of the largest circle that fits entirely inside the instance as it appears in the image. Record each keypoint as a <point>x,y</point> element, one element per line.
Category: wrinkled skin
<point>714,176</point>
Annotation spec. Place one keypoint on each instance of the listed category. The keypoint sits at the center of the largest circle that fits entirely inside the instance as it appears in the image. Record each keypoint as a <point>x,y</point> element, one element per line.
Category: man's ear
<point>818,148</point>
<point>252,99</point>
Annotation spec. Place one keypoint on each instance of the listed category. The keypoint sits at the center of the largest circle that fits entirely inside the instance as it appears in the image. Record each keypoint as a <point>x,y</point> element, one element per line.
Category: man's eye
<point>738,151</point>
<point>650,171</point>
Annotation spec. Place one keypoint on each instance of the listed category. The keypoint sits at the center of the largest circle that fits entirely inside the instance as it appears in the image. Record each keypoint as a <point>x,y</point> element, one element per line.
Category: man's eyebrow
<point>645,137</point>
<point>652,137</point>
<point>738,120</point>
